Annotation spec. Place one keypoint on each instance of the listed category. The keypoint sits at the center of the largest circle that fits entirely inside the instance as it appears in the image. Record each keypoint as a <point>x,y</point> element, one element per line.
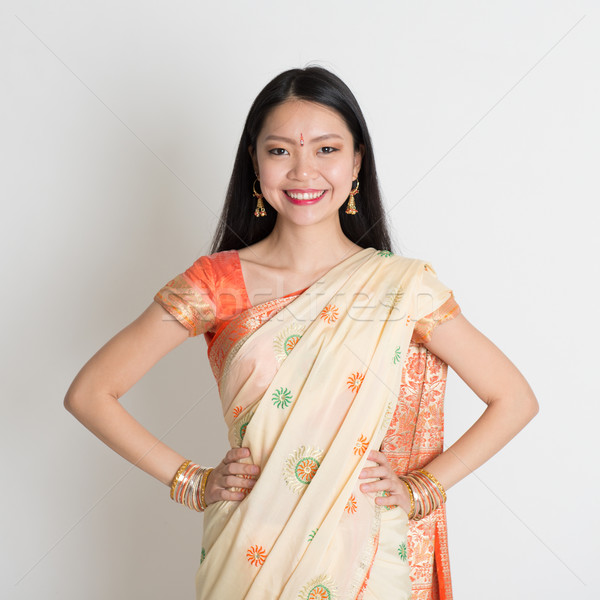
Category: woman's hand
<point>388,481</point>
<point>230,473</point>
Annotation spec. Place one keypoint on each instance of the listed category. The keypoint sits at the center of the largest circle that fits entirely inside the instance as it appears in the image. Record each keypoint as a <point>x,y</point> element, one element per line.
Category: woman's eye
<point>328,149</point>
<point>278,151</point>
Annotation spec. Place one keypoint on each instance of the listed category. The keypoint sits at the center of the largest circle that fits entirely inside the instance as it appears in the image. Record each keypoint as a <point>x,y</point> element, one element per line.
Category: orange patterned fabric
<point>425,326</point>
<point>211,298</point>
<point>414,438</point>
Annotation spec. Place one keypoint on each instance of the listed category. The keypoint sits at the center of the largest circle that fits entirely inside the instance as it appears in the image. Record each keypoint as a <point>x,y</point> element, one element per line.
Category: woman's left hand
<point>388,481</point>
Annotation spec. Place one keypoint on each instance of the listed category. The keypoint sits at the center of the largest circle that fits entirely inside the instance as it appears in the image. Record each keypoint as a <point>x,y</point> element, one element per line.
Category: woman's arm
<point>93,397</point>
<point>511,403</point>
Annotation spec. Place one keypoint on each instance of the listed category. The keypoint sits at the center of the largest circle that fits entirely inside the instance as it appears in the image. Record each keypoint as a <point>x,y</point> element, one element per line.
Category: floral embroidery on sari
<point>285,341</point>
<point>239,427</point>
<point>282,397</point>
<point>397,355</point>
<point>354,381</point>
<point>320,588</point>
<point>256,555</point>
<point>330,313</point>
<point>351,506</point>
<point>361,445</point>
<point>301,467</point>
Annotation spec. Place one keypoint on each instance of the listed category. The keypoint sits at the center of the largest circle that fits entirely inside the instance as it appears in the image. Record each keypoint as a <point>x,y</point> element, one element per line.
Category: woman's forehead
<point>293,117</point>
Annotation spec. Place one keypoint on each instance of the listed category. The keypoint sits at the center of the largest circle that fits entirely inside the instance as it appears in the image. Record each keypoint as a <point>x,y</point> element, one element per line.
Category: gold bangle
<point>182,489</point>
<point>421,493</point>
<point>411,514</point>
<point>437,483</point>
<point>181,469</point>
<point>205,475</point>
<point>190,489</point>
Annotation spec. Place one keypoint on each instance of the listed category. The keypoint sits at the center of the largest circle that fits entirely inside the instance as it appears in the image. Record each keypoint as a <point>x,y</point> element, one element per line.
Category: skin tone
<point>306,243</point>
<point>307,239</point>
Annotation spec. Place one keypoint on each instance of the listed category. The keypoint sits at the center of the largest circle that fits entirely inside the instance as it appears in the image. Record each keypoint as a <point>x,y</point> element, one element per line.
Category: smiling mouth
<point>305,195</point>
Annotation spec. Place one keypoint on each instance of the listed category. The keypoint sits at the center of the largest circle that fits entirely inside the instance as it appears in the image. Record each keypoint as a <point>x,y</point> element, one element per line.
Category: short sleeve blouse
<point>433,293</point>
<point>209,292</point>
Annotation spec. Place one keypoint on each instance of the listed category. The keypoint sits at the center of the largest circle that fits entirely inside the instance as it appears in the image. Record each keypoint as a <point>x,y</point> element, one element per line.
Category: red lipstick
<point>304,201</point>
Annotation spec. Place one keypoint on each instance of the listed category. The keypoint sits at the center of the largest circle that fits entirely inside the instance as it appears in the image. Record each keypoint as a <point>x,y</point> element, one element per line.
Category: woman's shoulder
<point>222,262</point>
<point>212,267</point>
<point>405,262</point>
<point>218,271</point>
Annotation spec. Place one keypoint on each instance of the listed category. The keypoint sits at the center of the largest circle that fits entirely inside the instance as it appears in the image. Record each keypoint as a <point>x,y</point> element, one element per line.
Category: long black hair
<point>238,227</point>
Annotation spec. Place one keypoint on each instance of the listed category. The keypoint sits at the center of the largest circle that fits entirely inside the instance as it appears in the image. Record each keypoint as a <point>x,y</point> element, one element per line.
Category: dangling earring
<point>259,211</point>
<point>351,208</point>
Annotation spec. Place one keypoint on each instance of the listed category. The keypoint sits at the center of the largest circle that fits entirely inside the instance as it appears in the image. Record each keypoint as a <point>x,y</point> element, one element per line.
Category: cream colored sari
<point>310,389</point>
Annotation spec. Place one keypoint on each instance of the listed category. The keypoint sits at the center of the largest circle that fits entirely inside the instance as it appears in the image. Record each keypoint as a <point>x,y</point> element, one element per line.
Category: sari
<point>310,383</point>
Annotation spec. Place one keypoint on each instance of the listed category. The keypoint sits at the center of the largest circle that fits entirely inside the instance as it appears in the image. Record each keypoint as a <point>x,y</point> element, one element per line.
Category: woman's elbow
<point>526,406</point>
<point>519,407</point>
<point>79,398</point>
<point>72,403</point>
<point>522,401</point>
<point>534,406</point>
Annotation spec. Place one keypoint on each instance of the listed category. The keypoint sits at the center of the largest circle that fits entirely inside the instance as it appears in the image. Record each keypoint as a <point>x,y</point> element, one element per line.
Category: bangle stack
<point>189,485</point>
<point>425,490</point>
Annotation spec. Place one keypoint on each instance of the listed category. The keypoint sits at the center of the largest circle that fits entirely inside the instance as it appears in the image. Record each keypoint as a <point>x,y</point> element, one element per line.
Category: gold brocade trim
<point>442,554</point>
<point>230,338</point>
<point>424,327</point>
<point>187,304</point>
<point>387,417</point>
<point>358,585</point>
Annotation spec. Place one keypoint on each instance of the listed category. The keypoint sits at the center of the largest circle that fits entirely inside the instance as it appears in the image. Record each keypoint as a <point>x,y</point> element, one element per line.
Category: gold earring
<point>351,208</point>
<point>259,211</point>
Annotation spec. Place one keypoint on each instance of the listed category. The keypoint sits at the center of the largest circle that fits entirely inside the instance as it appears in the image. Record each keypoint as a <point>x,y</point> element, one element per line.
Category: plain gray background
<point>119,123</point>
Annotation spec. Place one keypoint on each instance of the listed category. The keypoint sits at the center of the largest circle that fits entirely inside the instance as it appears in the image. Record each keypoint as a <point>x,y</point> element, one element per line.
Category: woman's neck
<point>306,249</point>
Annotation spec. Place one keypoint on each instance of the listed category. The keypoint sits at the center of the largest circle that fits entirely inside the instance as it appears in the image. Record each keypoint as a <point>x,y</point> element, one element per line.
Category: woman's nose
<point>303,167</point>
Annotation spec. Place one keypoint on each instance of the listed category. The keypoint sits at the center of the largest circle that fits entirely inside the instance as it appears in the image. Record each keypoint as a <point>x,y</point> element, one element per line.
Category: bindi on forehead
<point>301,139</point>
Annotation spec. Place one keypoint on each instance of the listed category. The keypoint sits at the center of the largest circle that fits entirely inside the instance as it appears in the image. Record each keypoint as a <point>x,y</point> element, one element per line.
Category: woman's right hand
<point>230,473</point>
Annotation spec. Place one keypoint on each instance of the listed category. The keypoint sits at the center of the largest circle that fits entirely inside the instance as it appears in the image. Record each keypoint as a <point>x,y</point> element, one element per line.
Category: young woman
<point>331,356</point>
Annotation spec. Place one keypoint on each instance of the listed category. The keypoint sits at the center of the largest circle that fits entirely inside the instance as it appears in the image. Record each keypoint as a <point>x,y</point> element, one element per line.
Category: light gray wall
<point>119,122</point>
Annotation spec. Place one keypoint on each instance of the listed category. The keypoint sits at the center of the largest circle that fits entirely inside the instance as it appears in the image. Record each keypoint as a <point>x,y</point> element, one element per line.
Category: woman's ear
<point>254,162</point>
<point>358,156</point>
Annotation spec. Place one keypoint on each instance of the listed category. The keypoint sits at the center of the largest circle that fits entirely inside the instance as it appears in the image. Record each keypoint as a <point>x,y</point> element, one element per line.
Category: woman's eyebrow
<point>279,138</point>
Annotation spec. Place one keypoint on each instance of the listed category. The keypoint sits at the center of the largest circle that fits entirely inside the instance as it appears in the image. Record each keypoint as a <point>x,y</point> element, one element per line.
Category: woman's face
<point>305,161</point>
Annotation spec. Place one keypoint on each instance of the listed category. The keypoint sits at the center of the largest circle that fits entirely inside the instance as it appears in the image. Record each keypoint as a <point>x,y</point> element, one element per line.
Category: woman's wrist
<point>426,492</point>
<point>189,485</point>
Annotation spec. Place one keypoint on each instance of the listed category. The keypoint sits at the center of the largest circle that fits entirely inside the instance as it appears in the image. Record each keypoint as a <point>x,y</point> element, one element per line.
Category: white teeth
<point>305,196</point>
